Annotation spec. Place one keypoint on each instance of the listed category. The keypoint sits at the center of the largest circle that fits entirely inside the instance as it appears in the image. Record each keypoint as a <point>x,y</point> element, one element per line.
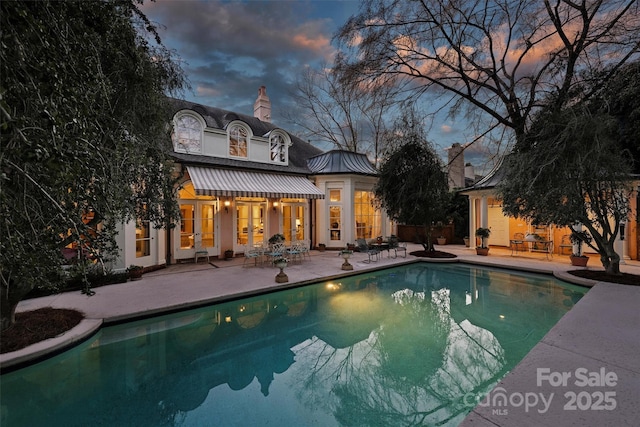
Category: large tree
<point>501,59</point>
<point>575,164</point>
<point>413,186</point>
<point>84,128</point>
<point>348,116</point>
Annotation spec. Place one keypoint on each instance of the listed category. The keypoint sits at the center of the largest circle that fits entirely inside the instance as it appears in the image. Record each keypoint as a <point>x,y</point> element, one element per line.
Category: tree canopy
<point>84,134</point>
<point>496,59</point>
<point>575,164</point>
<point>413,185</point>
<point>349,116</point>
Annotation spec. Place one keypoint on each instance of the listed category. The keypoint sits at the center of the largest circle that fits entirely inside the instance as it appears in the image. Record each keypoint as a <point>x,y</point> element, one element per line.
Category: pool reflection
<point>405,346</point>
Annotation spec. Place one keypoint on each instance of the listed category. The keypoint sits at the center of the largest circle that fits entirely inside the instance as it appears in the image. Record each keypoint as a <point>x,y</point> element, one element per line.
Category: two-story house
<point>244,179</point>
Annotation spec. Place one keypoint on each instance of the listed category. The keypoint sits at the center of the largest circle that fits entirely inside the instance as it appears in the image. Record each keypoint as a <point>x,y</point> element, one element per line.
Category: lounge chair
<point>396,246</point>
<point>365,248</point>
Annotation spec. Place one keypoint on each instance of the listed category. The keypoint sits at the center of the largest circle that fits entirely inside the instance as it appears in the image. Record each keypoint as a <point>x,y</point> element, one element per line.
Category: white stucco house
<point>485,210</point>
<point>244,179</point>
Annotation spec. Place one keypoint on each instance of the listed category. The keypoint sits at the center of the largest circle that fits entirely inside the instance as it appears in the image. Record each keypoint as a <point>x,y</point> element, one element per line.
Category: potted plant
<point>467,243</point>
<point>483,234</point>
<point>276,238</point>
<point>577,238</point>
<point>322,247</point>
<point>346,254</point>
<point>438,227</point>
<point>135,271</point>
<point>228,254</point>
<point>281,263</point>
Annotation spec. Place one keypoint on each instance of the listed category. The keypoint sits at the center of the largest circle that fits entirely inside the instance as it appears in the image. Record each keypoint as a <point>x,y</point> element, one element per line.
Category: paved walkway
<point>597,340</point>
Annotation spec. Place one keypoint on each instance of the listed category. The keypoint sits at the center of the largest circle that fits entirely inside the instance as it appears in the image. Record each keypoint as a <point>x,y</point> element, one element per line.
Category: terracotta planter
<point>135,274</point>
<point>482,251</point>
<point>442,241</point>
<point>579,261</point>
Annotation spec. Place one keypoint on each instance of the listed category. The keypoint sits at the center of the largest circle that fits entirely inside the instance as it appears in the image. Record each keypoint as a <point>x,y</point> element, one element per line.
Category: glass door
<point>335,224</point>
<point>293,223</point>
<point>187,226</point>
<point>335,217</point>
<point>207,224</point>
<point>250,222</point>
<point>197,228</point>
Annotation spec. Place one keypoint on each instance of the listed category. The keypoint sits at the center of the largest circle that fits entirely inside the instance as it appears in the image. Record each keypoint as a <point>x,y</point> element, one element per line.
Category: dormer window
<point>238,141</point>
<point>277,148</point>
<point>188,134</point>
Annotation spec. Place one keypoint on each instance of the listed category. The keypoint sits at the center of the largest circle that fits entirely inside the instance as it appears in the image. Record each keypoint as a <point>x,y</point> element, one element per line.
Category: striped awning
<point>238,183</point>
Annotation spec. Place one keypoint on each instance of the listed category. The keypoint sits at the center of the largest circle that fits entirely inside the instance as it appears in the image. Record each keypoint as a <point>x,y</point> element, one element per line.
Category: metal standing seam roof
<point>339,161</point>
<point>490,181</point>
<point>242,183</point>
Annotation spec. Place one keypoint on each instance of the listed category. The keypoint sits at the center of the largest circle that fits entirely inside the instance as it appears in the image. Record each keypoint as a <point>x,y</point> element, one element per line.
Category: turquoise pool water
<point>413,345</point>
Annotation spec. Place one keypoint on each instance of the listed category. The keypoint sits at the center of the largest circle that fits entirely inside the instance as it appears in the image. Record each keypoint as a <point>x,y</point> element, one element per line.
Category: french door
<point>197,228</point>
<point>250,223</point>
<point>293,221</point>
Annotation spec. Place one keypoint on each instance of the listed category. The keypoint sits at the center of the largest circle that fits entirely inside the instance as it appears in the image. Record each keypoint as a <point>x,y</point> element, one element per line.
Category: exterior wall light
<point>227,203</point>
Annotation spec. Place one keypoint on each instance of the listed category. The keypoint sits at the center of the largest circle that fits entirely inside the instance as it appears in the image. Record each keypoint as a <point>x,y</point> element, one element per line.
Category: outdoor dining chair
<point>517,243</point>
<point>255,253</point>
<point>276,251</point>
<point>565,244</point>
<point>200,251</point>
<point>295,251</point>
<point>304,247</point>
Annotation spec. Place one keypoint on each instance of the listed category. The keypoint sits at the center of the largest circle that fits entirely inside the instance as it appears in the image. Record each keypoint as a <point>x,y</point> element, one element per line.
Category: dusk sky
<point>229,49</point>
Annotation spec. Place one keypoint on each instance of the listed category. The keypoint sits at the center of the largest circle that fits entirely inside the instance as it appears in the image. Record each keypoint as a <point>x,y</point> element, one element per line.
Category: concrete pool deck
<point>585,371</point>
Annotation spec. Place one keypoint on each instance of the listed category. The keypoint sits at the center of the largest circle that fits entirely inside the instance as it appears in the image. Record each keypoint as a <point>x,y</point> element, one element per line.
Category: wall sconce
<point>275,206</point>
<point>622,227</point>
<point>227,203</point>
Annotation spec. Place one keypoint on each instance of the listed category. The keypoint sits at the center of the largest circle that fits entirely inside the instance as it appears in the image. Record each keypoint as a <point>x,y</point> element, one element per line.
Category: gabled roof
<point>217,118</point>
<point>340,162</point>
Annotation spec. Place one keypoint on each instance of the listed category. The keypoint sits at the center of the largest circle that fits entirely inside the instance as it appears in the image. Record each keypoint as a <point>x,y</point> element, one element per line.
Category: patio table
<point>381,246</point>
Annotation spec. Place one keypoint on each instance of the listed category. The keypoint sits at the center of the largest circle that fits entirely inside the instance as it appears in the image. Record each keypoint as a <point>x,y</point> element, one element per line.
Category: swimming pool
<point>413,345</point>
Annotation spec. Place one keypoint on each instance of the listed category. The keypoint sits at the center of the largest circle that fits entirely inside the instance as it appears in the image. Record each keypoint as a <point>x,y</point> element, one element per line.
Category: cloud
<point>229,49</point>
<point>253,29</point>
<point>446,128</point>
<point>207,91</point>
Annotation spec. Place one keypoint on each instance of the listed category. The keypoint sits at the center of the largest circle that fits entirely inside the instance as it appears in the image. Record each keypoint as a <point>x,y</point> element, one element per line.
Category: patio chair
<point>304,248</point>
<point>200,251</point>
<point>277,250</point>
<point>295,251</point>
<point>365,248</point>
<point>517,243</point>
<point>397,246</point>
<point>565,243</point>
<point>254,253</point>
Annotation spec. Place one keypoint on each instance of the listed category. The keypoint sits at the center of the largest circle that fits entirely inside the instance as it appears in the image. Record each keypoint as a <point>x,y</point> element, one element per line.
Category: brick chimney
<point>262,106</point>
<point>456,166</point>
